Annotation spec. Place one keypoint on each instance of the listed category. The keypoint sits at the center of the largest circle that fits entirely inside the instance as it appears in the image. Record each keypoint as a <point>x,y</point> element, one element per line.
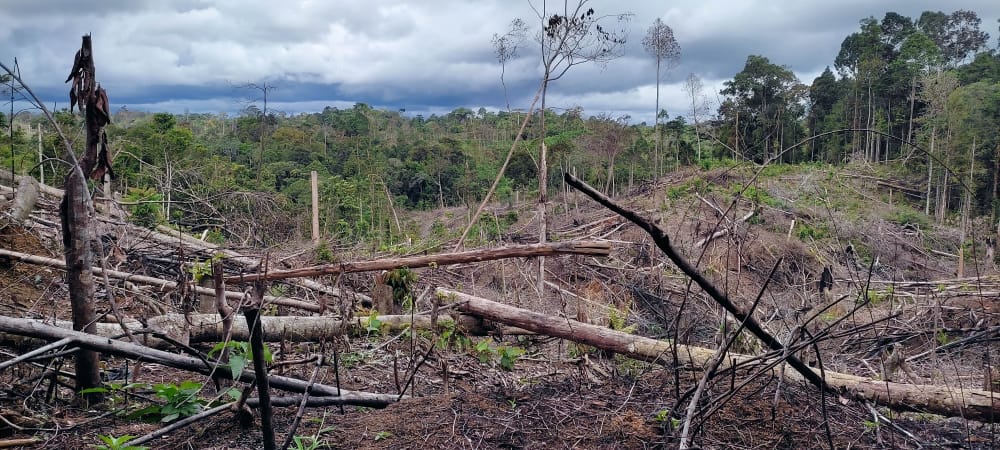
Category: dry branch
<point>167,235</point>
<point>972,404</point>
<point>520,251</point>
<point>37,329</point>
<point>723,231</point>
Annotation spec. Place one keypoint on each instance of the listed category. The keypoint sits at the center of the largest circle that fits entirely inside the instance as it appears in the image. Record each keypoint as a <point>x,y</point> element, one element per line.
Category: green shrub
<point>808,231</point>
<point>145,211</point>
<point>904,215</point>
<point>180,401</point>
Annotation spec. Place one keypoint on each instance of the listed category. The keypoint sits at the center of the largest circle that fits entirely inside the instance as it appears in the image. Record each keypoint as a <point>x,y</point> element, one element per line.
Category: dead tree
<point>76,206</point>
<point>574,37</point>
<point>661,44</point>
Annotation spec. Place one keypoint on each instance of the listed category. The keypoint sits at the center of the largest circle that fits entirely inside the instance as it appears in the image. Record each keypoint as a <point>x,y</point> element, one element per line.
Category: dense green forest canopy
<point>922,93</point>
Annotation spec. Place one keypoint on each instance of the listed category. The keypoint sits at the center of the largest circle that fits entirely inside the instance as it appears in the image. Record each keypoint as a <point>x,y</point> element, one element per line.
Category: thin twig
<point>57,344</point>
<point>719,356</point>
<point>302,404</point>
<point>180,424</point>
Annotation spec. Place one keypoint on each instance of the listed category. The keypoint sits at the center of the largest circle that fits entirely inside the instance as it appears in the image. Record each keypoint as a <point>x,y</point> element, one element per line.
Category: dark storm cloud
<point>424,56</point>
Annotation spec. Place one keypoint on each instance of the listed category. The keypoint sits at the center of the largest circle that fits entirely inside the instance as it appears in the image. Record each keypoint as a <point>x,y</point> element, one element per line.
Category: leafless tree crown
<point>661,44</point>
<point>580,35</point>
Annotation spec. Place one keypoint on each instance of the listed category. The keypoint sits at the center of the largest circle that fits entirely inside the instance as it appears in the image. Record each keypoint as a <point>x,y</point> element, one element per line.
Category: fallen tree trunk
<point>37,329</point>
<point>972,404</point>
<point>168,235</point>
<point>198,328</point>
<point>571,247</point>
<point>163,285</point>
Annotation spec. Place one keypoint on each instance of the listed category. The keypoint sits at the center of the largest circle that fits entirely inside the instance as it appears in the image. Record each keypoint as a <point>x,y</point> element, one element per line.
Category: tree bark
<point>226,314</point>
<point>37,329</point>
<point>975,404</point>
<point>76,228</point>
<point>260,366</point>
<point>198,328</point>
<point>570,247</point>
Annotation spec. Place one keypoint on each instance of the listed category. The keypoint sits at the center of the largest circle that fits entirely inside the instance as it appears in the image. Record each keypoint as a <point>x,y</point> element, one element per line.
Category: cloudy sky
<point>428,56</point>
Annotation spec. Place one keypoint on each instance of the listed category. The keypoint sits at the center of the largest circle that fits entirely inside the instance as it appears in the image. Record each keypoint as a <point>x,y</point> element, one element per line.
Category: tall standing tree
<point>767,99</point>
<point>956,34</point>
<point>823,95</point>
<point>918,55</point>
<point>575,36</point>
<point>863,57</point>
<point>661,44</point>
<point>265,89</point>
<point>935,88</point>
<point>506,47</point>
<point>693,88</point>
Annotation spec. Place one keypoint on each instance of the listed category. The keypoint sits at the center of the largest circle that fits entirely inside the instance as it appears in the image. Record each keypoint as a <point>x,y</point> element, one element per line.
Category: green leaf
<point>94,390</point>
<point>236,365</point>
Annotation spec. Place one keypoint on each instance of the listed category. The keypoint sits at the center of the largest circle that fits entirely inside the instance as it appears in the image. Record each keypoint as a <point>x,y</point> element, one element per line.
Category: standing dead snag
<point>76,207</point>
<point>574,37</point>
<point>259,365</point>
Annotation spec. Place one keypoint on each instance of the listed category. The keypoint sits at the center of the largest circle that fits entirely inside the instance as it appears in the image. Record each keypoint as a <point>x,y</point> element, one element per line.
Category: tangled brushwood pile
<point>620,351</point>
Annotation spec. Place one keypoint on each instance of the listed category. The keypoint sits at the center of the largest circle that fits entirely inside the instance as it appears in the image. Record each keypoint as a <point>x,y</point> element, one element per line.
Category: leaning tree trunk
<point>76,207</point>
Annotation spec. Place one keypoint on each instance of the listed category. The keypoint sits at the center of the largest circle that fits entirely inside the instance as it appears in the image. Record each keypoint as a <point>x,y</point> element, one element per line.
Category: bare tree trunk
<point>611,176</point>
<point>656,124</point>
<point>930,172</point>
<point>314,188</point>
<point>515,251</point>
<point>75,212</point>
<point>259,365</point>
<point>202,328</point>
<point>543,192</point>
<point>965,402</point>
<point>77,237</point>
<point>37,329</point>
<point>913,98</point>
<point>996,180</point>
<point>225,314</point>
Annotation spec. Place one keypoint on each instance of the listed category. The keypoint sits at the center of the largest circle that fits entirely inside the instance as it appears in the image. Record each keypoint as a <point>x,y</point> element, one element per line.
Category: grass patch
<point>904,215</point>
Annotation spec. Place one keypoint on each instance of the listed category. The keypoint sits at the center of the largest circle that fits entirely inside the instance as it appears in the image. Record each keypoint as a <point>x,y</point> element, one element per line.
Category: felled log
<point>167,235</point>
<point>570,247</point>
<point>163,285</point>
<point>975,404</point>
<point>197,328</point>
<point>37,329</point>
